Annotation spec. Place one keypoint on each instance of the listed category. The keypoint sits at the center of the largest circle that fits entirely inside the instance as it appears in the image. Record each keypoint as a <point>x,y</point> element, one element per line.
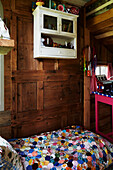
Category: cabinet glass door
<point>67,25</point>
<point>50,22</point>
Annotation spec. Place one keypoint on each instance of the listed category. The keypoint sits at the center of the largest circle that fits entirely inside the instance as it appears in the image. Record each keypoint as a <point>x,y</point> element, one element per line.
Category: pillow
<point>9,159</point>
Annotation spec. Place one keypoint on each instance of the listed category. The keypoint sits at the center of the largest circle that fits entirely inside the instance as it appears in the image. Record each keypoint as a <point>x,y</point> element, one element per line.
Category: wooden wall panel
<point>57,94</point>
<point>48,64</point>
<point>25,31</point>
<point>5,132</point>
<point>43,94</point>
<point>23,52</point>
<point>52,119</point>
<point>26,96</point>
<point>5,124</point>
<point>74,114</point>
<point>5,118</point>
<point>60,93</point>
<point>25,44</point>
<point>38,127</point>
<point>23,5</point>
<point>71,66</point>
<point>6,4</point>
<point>52,100</point>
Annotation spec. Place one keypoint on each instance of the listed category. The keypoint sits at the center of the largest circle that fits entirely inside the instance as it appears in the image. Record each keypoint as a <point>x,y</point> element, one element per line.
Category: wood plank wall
<point>98,25</point>
<point>104,56</point>
<point>42,95</point>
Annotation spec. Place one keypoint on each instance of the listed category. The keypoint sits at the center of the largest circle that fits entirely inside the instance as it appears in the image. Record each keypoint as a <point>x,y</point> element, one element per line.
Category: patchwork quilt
<point>72,148</point>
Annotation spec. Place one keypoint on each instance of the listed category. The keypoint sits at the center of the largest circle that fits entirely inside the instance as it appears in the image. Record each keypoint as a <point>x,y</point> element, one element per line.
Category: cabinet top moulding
<point>6,46</point>
<point>53,10</point>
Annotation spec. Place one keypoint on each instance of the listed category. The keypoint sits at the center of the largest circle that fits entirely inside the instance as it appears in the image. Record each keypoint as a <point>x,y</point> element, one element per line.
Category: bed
<point>72,148</point>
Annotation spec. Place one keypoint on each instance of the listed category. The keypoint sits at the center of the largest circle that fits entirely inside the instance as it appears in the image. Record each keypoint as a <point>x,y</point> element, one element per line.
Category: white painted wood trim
<point>1,10</point>
<point>1,69</point>
<point>1,82</point>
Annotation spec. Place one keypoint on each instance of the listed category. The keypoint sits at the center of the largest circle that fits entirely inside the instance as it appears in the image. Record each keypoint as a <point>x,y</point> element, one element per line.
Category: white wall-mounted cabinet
<point>55,34</point>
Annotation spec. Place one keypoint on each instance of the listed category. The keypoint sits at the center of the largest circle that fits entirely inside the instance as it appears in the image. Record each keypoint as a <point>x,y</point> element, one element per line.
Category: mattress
<point>72,148</point>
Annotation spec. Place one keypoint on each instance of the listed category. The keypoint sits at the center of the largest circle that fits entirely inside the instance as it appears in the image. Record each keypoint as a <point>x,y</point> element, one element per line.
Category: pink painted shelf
<point>106,100</point>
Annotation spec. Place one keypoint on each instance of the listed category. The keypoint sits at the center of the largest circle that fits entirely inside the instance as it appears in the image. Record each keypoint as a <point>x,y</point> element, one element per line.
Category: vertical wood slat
<point>14,101</point>
<point>40,93</point>
<point>19,98</point>
<point>56,65</point>
<point>40,65</point>
<point>86,102</point>
<point>13,30</point>
<point>64,121</point>
<point>14,109</point>
<point>86,79</point>
<point>13,4</point>
<point>14,132</point>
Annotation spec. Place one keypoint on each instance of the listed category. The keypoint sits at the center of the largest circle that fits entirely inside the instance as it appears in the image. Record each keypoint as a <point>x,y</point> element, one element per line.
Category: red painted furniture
<point>106,100</point>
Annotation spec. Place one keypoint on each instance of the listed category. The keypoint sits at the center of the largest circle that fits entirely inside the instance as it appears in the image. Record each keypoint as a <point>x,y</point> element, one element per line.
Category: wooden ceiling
<point>77,2</point>
<point>101,27</point>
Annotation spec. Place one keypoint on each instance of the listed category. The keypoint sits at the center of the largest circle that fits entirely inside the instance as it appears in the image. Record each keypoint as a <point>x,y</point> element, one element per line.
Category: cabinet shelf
<point>59,53</point>
<point>6,46</point>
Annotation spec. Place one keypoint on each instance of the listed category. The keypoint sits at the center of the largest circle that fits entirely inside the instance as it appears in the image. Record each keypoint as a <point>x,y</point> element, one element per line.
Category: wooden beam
<point>100,26</point>
<point>41,75</point>
<point>76,2</point>
<point>99,8</point>
<point>100,18</point>
<point>104,35</point>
